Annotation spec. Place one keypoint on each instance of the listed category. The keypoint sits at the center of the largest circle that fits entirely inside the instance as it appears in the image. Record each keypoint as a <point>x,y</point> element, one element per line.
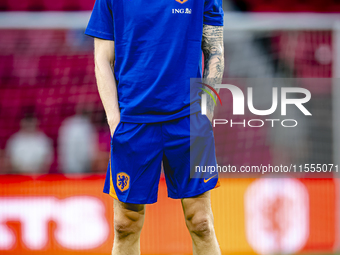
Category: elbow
<point>100,63</point>
<point>112,64</point>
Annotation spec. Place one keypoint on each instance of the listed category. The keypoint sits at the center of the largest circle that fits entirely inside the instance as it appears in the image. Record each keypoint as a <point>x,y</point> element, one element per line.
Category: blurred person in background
<point>77,142</point>
<point>29,150</point>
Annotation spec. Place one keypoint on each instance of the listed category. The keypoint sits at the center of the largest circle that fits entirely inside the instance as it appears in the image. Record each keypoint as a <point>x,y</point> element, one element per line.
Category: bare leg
<point>200,223</point>
<point>128,223</point>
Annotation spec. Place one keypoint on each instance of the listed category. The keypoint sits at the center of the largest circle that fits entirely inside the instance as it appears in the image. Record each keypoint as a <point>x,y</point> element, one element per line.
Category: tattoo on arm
<point>212,47</point>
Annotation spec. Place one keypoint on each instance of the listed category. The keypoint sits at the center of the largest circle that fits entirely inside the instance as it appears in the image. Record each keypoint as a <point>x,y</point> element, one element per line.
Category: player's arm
<point>212,47</point>
<point>104,62</point>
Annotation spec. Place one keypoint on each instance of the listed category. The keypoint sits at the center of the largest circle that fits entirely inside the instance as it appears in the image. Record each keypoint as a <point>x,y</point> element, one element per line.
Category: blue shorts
<point>138,150</point>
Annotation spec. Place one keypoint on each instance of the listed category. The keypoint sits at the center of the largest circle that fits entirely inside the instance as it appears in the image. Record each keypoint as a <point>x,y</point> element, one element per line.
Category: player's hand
<point>210,116</point>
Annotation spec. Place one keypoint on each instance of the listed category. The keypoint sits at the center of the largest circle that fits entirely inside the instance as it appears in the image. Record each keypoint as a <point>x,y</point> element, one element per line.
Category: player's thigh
<point>128,218</point>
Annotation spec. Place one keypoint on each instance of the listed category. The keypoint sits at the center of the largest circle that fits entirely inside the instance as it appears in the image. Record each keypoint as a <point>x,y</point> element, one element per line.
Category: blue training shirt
<point>157,51</point>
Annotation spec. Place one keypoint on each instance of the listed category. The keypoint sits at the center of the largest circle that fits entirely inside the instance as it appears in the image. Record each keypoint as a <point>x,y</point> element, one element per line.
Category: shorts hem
<point>132,201</point>
<point>196,192</point>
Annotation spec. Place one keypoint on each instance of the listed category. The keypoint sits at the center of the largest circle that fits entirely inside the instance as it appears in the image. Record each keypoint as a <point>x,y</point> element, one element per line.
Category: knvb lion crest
<point>123,181</point>
<point>181,1</point>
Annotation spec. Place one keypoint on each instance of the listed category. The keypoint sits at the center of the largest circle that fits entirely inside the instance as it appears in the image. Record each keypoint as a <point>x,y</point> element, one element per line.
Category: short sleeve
<point>213,13</point>
<point>101,21</point>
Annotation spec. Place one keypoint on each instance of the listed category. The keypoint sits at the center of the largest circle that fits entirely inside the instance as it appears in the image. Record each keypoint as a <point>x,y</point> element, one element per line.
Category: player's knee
<point>128,225</point>
<point>200,224</point>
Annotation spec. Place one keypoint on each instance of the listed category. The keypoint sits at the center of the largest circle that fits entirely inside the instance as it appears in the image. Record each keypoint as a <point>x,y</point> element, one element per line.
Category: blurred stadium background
<point>54,141</point>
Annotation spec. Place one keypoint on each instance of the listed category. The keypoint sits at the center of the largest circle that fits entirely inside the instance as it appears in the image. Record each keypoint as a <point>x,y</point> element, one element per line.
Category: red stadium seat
<point>46,73</point>
<point>293,5</point>
<point>333,7</point>
<point>46,66</point>
<point>253,5</point>
<point>61,5</point>
<point>18,5</point>
<point>3,5</point>
<point>265,6</point>
<point>25,66</point>
<point>6,66</point>
<point>24,5</point>
<point>86,5</point>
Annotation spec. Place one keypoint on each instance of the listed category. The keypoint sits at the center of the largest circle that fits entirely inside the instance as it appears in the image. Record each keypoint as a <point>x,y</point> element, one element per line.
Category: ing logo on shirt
<point>123,181</point>
<point>181,1</point>
<point>182,11</point>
